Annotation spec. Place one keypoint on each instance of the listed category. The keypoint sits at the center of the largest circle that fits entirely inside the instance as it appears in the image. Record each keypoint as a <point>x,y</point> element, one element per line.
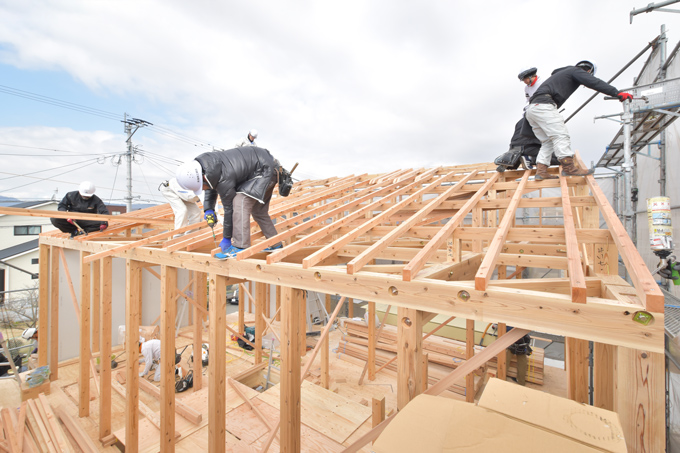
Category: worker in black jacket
<point>81,200</point>
<point>548,125</point>
<point>244,178</point>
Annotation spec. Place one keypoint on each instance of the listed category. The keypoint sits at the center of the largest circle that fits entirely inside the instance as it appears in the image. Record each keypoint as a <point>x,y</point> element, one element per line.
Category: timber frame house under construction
<point>404,239</point>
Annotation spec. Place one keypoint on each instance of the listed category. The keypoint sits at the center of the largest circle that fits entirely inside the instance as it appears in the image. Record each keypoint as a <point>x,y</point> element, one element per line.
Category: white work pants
<point>548,126</point>
<point>186,212</point>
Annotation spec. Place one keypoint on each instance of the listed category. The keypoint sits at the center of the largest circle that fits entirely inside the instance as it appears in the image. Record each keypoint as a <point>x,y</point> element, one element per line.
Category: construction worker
<point>521,349</point>
<point>151,352</point>
<point>81,200</point>
<point>250,140</point>
<point>244,178</point>
<point>548,125</point>
<point>531,80</point>
<point>183,203</point>
<point>31,334</point>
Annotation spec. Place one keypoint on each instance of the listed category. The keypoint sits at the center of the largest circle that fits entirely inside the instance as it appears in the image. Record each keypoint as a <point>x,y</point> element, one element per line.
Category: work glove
<point>210,217</point>
<point>624,96</point>
<point>103,226</point>
<point>225,243</point>
<point>70,221</point>
<point>667,272</point>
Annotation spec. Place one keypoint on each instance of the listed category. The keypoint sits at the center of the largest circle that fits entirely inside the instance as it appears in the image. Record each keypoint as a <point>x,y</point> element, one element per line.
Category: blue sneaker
<point>229,253</point>
<point>271,249</point>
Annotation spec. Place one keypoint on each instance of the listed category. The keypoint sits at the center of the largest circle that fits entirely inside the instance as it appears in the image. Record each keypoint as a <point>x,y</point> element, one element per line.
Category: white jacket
<point>246,142</point>
<point>151,350</point>
<point>530,90</point>
<point>186,195</point>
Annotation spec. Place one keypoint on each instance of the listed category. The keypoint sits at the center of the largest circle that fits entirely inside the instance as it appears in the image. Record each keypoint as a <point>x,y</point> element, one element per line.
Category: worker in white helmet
<point>31,334</point>
<point>182,201</point>
<point>151,354</point>
<point>250,140</point>
<point>81,200</point>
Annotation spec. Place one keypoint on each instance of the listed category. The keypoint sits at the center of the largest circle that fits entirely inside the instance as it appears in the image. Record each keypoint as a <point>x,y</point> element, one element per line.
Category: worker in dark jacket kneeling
<point>244,178</point>
<point>81,200</point>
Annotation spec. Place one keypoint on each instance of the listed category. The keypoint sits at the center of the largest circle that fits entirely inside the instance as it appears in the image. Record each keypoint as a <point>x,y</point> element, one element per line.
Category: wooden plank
<point>10,431</point>
<point>84,364</point>
<point>95,305</point>
<point>377,338</point>
<point>168,315</point>
<point>378,414</point>
<point>371,341</point>
<point>236,387</point>
<point>576,358</point>
<point>38,429</point>
<point>133,291</point>
<point>470,353</point>
<point>217,364</point>
<point>603,375</point>
<point>417,263</point>
<point>260,293</point>
<point>639,399</point>
<point>81,216</point>
<point>322,338</point>
<point>43,302</point>
<point>105,343</point>
<point>501,361</point>
<point>575,269</point>
<point>290,369</point>
<point>496,246</point>
<point>200,294</point>
<point>409,353</point>
<point>77,432</point>
<point>52,423</point>
<point>21,425</point>
<point>54,313</point>
<point>325,363</point>
<point>647,289</point>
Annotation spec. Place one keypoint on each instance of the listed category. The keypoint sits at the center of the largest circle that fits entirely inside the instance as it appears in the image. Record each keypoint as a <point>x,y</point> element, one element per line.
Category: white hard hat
<point>253,133</point>
<point>28,333</point>
<point>86,189</point>
<point>190,176</point>
<point>585,64</point>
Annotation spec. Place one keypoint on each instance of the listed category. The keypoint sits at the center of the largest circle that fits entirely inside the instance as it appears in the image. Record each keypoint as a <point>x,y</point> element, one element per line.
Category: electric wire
<point>47,169</point>
<point>52,149</point>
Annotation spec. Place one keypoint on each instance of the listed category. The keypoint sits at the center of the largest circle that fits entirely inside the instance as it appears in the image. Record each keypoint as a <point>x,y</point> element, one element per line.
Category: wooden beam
<point>200,294</point>
<point>54,313</point>
<point>43,302</point>
<point>168,315</point>
<point>576,357</point>
<point>417,263</point>
<point>501,360</point>
<point>217,403</point>
<point>325,363</point>
<point>291,301</point>
<point>470,353</point>
<point>81,216</point>
<point>496,246</point>
<point>372,328</point>
<point>603,375</point>
<point>105,343</point>
<point>84,363</point>
<point>409,363</point>
<point>96,305</point>
<point>575,269</point>
<point>378,411</point>
<point>133,292</point>
<point>260,293</point>
<point>324,335</point>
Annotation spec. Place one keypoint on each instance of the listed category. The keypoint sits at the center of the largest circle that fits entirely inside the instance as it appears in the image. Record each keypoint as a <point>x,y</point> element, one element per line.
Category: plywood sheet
<point>327,412</point>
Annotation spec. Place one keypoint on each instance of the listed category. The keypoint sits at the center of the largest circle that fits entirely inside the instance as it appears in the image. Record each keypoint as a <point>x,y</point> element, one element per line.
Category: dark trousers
<point>87,225</point>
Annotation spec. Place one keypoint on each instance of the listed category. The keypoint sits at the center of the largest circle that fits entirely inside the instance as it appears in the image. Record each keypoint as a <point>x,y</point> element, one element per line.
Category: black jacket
<point>564,81</point>
<point>248,170</point>
<point>74,202</point>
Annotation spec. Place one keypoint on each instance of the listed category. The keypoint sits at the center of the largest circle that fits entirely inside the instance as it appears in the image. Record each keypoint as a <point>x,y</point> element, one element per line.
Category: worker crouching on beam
<point>81,200</point>
<point>244,178</point>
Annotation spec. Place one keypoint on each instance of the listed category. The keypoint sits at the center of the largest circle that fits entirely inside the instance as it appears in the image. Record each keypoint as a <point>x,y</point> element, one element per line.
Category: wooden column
<point>501,364</point>
<point>133,298</point>
<point>84,363</point>
<point>378,411</point>
<point>409,353</point>
<point>260,295</point>
<point>426,371</point>
<point>371,341</point>
<point>469,353</point>
<point>278,303</point>
<point>268,301</point>
<point>200,295</point>
<point>168,315</point>
<point>576,357</point>
<point>43,303</point>
<point>291,304</point>
<point>639,399</point>
<point>302,331</point>
<point>217,402</point>
<point>325,363</point>
<point>603,375</point>
<point>328,303</point>
<point>96,304</point>
<point>241,308</point>
<point>105,269</point>
<point>54,313</point>
<point>350,308</point>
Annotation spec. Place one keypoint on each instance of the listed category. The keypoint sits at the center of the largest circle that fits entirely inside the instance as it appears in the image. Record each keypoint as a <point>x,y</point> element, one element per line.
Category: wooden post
<point>260,294</point>
<point>217,402</point>
<point>291,304</point>
<point>603,375</point>
<point>409,353</point>
<point>328,303</point>
<point>200,295</point>
<point>378,413</point>
<point>325,363</point>
<point>105,343</point>
<point>43,303</point>
<point>350,308</point>
<point>576,357</point>
<point>278,303</point>
<point>371,341</point>
<point>242,308</point>
<point>501,364</point>
<point>168,315</point>
<point>54,313</point>
<point>469,353</point>
<point>84,364</point>
<point>268,301</point>
<point>639,399</point>
<point>426,371</point>
<point>96,304</point>
<point>302,330</point>
<point>133,297</point>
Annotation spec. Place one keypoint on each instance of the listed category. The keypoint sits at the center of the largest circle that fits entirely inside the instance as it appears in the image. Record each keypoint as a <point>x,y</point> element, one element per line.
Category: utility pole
<point>131,126</point>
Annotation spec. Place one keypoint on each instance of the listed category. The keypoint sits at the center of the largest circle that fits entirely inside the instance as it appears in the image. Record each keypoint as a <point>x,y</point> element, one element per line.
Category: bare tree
<point>21,307</point>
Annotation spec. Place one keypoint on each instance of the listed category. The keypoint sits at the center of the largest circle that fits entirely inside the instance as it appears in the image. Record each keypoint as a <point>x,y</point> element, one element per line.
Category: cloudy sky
<point>343,88</point>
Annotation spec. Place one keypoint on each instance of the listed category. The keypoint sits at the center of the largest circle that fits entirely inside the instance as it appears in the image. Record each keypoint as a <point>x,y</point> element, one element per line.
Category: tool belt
<point>543,99</point>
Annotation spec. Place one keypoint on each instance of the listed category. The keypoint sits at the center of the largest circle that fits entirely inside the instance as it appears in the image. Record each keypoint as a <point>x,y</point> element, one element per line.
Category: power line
<point>48,169</point>
<point>48,179</point>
